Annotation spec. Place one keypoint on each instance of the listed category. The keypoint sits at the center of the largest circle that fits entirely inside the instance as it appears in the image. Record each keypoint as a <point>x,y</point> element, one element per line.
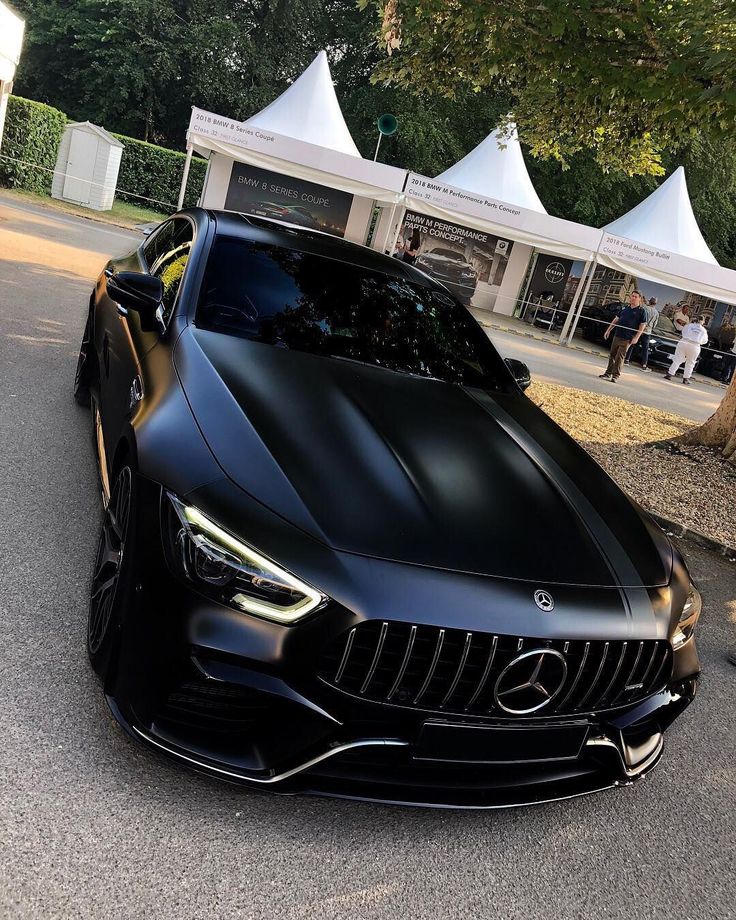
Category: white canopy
<point>302,134</point>
<point>309,111</point>
<point>496,169</point>
<point>665,219</point>
<point>660,240</point>
<point>501,218</point>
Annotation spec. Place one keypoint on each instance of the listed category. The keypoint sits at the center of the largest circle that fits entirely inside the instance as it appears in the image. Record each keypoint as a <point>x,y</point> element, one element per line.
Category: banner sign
<point>491,210</point>
<point>549,278</point>
<point>212,130</point>
<point>470,263</point>
<point>295,201</point>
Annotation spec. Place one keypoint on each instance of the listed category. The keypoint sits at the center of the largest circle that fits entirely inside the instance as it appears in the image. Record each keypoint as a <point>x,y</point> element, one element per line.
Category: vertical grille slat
<point>444,670</point>
<point>460,669</point>
<point>576,680</point>
<point>346,655</point>
<point>598,673</point>
<point>617,670</point>
<point>404,664</point>
<point>432,667</point>
<point>654,683</point>
<point>374,663</point>
<point>484,675</point>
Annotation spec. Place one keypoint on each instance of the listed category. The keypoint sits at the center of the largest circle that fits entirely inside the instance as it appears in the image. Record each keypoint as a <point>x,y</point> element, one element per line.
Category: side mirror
<point>136,291</point>
<point>520,372</point>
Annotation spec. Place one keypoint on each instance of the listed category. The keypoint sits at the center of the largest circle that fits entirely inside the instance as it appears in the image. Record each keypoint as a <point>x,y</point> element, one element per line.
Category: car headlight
<point>688,618</point>
<point>230,571</point>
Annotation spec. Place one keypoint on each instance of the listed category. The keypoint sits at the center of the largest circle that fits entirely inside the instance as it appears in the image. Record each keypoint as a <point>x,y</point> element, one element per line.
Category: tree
<point>623,80</point>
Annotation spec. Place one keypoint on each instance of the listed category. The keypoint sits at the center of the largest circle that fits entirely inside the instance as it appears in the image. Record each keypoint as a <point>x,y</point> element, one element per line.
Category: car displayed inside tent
<point>343,553</point>
<point>451,268</point>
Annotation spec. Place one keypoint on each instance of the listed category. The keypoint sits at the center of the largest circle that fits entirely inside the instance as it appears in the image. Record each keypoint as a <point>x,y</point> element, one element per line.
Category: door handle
<point>106,353</point>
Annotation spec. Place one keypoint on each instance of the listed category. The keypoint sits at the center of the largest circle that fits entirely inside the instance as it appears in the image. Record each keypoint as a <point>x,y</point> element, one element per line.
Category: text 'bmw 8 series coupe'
<point>343,553</point>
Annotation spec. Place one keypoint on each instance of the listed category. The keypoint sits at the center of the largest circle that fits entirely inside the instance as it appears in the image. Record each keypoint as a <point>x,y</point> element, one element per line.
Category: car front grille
<point>451,670</point>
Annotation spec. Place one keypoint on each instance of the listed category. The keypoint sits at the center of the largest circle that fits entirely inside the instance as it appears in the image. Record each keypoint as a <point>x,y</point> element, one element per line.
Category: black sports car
<point>449,267</point>
<point>343,553</point>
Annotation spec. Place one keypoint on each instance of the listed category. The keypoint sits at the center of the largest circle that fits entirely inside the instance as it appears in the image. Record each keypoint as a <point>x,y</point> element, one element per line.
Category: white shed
<point>87,166</point>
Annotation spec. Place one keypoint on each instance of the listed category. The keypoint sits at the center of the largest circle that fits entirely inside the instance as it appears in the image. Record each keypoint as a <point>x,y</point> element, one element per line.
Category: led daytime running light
<point>311,598</point>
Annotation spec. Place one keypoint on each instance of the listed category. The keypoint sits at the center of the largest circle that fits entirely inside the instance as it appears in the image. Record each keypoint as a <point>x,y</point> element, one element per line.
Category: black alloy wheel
<point>83,377</point>
<point>108,579</point>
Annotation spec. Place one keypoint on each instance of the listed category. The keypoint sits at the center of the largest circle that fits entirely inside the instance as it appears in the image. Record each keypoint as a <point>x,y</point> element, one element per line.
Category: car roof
<point>303,239</point>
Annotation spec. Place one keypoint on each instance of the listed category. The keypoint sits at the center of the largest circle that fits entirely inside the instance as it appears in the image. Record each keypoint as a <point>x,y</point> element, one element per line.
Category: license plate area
<point>500,744</point>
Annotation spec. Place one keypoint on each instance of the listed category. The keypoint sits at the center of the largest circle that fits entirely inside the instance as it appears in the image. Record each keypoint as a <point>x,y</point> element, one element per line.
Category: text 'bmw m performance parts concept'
<point>343,553</point>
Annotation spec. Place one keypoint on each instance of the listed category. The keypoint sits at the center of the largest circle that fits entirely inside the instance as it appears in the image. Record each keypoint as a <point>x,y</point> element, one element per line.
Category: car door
<point>164,255</point>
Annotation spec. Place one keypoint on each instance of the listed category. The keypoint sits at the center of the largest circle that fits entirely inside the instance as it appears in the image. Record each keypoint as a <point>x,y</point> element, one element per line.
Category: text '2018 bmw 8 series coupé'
<point>343,553</point>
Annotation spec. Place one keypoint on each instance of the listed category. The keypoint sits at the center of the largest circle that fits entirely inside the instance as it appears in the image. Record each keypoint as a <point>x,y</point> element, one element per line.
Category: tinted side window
<point>173,245</point>
<point>158,242</point>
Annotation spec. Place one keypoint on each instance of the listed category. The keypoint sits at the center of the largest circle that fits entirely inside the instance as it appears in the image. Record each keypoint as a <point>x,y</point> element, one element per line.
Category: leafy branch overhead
<point>624,80</point>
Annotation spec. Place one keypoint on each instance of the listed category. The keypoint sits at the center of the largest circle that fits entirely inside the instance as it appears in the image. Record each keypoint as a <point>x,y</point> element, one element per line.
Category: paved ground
<point>555,364</point>
<point>93,826</point>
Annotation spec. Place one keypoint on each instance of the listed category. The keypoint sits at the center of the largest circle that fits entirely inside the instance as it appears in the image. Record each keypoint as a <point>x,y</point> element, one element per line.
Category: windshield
<point>446,254</point>
<point>301,301</point>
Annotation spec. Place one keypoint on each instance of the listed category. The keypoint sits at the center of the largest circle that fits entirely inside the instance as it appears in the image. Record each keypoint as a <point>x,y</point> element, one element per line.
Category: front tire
<point>111,578</point>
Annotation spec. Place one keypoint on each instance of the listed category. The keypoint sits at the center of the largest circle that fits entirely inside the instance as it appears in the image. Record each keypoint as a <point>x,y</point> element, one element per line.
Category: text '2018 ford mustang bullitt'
<point>343,553</point>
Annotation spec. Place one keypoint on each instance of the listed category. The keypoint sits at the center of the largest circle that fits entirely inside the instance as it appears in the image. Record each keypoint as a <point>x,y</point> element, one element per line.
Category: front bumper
<point>239,698</point>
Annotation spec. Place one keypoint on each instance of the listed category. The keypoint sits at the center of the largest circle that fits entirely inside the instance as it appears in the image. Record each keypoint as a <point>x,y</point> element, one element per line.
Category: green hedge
<point>155,172</point>
<point>33,134</point>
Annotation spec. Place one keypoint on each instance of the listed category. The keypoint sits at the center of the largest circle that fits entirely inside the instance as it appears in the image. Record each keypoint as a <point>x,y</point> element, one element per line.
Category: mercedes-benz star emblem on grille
<point>531,681</point>
<point>544,600</point>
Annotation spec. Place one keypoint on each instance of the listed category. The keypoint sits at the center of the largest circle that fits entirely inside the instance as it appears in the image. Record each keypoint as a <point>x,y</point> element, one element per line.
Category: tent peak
<point>665,219</point>
<point>496,169</point>
<point>308,110</point>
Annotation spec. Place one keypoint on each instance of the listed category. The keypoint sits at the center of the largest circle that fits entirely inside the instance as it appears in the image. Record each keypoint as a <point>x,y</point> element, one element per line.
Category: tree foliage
<point>623,80</point>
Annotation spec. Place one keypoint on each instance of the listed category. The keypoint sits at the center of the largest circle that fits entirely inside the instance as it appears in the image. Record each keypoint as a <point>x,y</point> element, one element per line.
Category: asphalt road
<point>554,364</point>
<point>93,826</point>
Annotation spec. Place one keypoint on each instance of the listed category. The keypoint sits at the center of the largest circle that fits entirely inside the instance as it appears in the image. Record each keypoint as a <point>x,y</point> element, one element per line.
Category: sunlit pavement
<point>93,826</point>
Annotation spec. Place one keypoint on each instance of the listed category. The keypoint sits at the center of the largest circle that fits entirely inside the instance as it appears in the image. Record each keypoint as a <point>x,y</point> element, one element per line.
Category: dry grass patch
<point>693,486</point>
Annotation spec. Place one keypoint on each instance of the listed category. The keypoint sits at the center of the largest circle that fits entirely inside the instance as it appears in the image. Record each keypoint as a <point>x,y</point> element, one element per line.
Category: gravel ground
<point>693,486</point>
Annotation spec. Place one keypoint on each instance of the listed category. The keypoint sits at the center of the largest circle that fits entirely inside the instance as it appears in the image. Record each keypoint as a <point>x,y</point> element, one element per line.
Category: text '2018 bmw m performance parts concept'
<point>343,553</point>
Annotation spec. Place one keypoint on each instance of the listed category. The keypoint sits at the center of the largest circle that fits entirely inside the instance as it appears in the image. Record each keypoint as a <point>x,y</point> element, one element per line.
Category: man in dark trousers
<point>629,325</point>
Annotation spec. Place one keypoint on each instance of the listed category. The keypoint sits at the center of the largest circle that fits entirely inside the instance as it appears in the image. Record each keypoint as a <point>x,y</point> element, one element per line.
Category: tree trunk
<point>720,429</point>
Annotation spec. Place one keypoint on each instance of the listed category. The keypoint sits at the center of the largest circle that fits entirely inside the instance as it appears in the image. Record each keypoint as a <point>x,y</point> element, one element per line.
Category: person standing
<point>729,365</point>
<point>411,249</point>
<point>628,325</point>
<point>681,317</point>
<point>688,348</point>
<point>652,314</point>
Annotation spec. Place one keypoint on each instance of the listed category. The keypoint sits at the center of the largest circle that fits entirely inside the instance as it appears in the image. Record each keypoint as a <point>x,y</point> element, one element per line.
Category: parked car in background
<point>595,320</point>
<point>450,268</point>
<point>662,344</point>
<point>713,360</point>
<point>290,215</point>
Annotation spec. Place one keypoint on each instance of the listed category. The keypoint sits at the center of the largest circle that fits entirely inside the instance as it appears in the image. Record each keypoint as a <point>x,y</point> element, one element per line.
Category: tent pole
<point>184,178</point>
<point>575,301</point>
<point>581,304</point>
<point>375,155</point>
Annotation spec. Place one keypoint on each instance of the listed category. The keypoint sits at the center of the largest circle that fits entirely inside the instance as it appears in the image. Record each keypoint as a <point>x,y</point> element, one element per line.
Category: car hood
<point>413,470</point>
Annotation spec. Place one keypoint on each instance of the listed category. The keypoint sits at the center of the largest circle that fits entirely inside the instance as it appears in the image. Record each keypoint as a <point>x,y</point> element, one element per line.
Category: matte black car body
<point>464,544</point>
<point>449,267</point>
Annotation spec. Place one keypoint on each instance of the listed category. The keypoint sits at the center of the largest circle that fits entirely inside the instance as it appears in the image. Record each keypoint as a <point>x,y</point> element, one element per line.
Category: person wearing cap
<point>688,348</point>
<point>628,326</point>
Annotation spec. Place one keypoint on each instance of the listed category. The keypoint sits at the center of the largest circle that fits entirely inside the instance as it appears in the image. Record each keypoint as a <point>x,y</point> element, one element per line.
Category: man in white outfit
<point>688,349</point>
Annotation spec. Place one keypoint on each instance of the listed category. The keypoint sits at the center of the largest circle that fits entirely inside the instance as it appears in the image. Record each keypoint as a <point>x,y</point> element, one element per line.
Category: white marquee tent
<point>301,134</point>
<point>496,169</point>
<point>490,190</point>
<point>659,240</point>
